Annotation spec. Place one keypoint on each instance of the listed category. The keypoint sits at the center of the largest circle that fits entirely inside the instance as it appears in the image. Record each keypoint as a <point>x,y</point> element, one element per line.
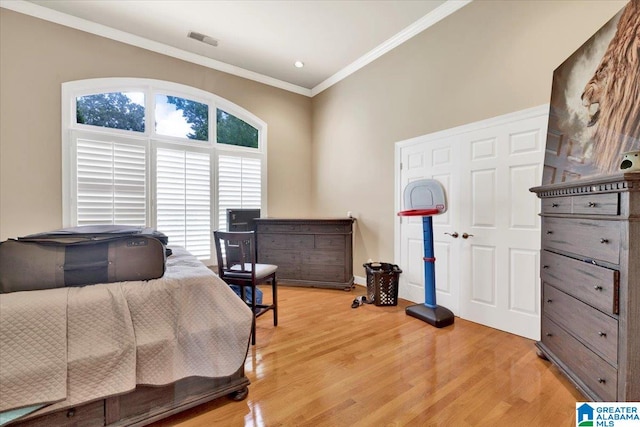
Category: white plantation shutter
<point>239,185</point>
<point>179,186</point>
<point>183,199</point>
<point>111,183</point>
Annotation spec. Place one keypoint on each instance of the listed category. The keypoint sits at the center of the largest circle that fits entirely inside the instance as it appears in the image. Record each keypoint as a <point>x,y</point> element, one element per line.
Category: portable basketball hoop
<point>426,198</point>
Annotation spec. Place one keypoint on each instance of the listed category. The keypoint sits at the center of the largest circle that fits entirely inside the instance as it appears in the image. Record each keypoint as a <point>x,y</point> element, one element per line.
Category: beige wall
<point>37,56</point>
<point>487,59</point>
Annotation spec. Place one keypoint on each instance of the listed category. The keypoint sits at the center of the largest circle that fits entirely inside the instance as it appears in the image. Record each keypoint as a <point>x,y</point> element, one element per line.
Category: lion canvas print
<point>594,116</point>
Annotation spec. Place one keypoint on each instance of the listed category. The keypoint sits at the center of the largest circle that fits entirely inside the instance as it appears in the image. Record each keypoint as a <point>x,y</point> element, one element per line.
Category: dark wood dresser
<point>590,274</point>
<point>308,252</point>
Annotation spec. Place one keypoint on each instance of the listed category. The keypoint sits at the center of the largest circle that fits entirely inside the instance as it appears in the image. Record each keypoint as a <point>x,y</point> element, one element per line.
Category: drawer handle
<point>592,204</point>
<point>602,380</point>
<point>549,300</point>
<point>602,334</point>
<point>554,205</point>
<point>549,232</point>
<point>604,240</point>
<point>549,334</point>
<point>545,267</point>
<point>71,413</point>
<point>598,288</point>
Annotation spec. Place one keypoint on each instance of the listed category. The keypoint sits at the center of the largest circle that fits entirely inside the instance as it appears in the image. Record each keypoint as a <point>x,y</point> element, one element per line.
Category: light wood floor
<point>327,364</point>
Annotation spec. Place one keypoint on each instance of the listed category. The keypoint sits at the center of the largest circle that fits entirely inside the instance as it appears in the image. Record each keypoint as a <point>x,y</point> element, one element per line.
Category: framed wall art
<point>594,116</point>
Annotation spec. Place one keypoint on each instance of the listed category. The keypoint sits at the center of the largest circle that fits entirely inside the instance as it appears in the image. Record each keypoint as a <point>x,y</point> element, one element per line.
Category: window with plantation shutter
<point>183,193</point>
<point>239,185</point>
<point>111,183</point>
<point>173,174</point>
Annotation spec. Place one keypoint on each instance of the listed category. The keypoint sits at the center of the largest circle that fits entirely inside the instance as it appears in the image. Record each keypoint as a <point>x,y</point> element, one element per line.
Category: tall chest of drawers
<point>308,252</point>
<point>590,274</point>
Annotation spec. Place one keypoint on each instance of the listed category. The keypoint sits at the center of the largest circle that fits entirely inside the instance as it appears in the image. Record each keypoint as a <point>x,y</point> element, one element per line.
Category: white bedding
<point>33,360</point>
<point>96,341</point>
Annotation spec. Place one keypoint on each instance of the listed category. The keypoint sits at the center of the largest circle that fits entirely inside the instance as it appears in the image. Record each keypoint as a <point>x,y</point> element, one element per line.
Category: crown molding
<point>32,9</point>
<point>433,17</point>
<point>54,16</point>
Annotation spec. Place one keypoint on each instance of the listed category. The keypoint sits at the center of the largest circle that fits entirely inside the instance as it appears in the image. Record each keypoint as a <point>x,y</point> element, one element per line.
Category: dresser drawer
<point>86,415</point>
<point>590,204</point>
<point>279,257</point>
<point>278,228</point>
<point>596,204</point>
<point>268,241</point>
<point>595,285</point>
<point>323,257</point>
<point>336,243</point>
<point>327,228</point>
<point>595,329</point>
<point>288,272</point>
<point>551,205</point>
<point>595,239</point>
<point>590,368</point>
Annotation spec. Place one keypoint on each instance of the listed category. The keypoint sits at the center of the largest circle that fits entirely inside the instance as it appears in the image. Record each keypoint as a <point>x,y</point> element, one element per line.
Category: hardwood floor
<point>326,364</point>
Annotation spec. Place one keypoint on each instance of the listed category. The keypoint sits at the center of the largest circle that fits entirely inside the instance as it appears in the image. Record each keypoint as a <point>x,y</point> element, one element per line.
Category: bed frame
<point>145,404</point>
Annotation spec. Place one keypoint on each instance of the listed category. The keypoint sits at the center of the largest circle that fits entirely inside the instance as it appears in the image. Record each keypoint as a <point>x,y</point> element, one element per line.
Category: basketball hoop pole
<point>429,263</point>
<point>429,312</point>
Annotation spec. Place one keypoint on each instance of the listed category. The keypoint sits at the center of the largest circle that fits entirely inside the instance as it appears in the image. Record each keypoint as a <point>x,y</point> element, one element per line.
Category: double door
<point>487,243</point>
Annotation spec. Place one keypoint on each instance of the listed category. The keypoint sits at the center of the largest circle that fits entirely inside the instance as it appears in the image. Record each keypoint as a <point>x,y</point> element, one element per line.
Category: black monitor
<point>242,219</point>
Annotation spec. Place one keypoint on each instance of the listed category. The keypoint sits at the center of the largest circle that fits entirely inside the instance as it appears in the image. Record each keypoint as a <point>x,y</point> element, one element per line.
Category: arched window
<point>160,154</point>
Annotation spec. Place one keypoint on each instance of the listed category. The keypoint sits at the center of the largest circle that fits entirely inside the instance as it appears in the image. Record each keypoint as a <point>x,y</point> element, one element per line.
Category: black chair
<point>236,252</point>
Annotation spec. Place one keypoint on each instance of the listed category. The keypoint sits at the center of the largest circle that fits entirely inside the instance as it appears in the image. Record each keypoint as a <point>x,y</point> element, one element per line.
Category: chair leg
<point>275,301</point>
<point>253,312</point>
<point>253,331</point>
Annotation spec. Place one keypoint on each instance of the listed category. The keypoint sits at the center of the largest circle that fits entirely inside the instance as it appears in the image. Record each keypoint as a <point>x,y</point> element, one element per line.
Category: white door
<point>489,273</point>
<point>437,161</point>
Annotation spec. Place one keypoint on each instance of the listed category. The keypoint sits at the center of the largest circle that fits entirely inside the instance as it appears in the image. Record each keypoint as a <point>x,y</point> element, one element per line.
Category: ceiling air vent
<point>202,38</point>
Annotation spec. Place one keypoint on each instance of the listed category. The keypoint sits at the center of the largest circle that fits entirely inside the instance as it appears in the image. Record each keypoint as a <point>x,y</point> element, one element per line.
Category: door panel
<point>483,275</point>
<point>483,198</point>
<point>487,168</point>
<point>523,297</point>
<point>412,270</point>
<point>523,215</point>
<point>435,161</point>
<point>504,225</point>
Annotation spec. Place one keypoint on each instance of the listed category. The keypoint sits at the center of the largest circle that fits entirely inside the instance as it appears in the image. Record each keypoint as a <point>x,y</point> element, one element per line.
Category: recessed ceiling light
<point>298,64</point>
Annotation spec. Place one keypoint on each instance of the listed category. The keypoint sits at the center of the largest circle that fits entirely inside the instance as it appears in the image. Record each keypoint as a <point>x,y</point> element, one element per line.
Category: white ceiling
<point>257,39</point>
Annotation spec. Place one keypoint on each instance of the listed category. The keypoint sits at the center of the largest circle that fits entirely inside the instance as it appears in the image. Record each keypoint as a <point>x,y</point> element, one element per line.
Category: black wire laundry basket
<point>382,282</point>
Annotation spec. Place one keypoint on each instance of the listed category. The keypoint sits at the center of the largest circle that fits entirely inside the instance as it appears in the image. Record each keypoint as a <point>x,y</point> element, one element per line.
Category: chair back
<point>236,253</point>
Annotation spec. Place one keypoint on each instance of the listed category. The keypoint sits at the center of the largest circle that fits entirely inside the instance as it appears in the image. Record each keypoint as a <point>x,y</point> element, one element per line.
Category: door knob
<point>454,234</point>
<point>466,236</point>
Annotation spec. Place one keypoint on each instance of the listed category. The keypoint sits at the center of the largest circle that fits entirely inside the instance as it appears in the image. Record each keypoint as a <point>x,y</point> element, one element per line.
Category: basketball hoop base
<point>438,316</point>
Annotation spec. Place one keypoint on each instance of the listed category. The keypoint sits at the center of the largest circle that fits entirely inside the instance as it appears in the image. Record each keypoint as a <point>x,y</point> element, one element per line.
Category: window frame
<point>71,131</point>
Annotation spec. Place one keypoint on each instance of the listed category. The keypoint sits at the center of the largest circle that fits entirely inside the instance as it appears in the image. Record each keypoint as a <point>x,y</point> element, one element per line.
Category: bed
<point>126,353</point>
